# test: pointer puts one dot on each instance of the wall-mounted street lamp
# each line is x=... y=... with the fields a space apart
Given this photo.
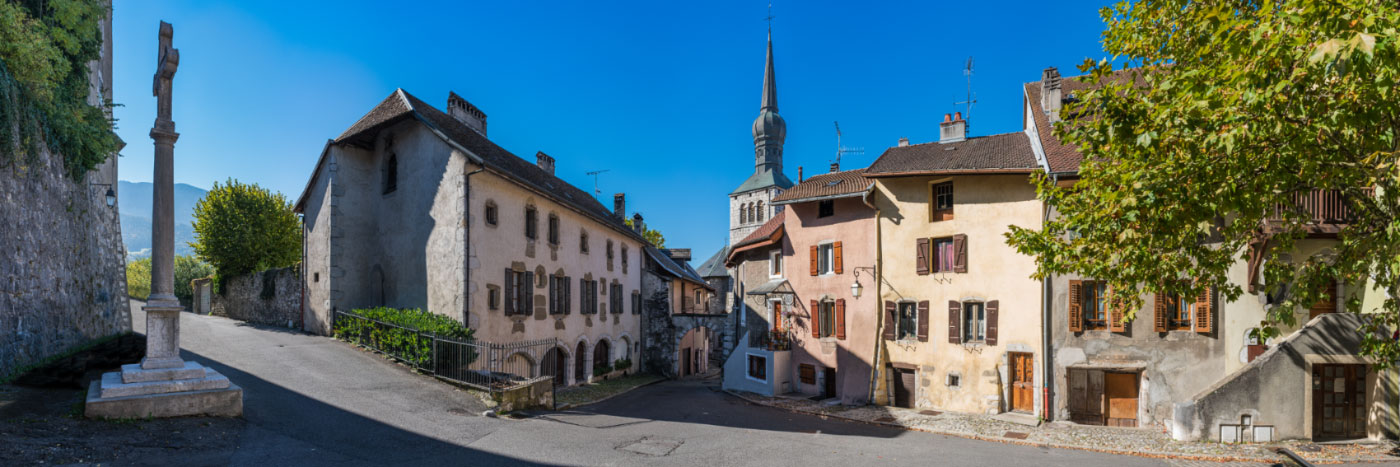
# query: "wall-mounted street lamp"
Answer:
x=855 y=288
x=111 y=194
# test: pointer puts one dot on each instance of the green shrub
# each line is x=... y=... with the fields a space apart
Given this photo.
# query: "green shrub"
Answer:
x=138 y=278
x=243 y=228
x=187 y=268
x=622 y=364
x=412 y=342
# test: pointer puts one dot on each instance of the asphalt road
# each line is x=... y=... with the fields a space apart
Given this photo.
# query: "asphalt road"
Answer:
x=310 y=400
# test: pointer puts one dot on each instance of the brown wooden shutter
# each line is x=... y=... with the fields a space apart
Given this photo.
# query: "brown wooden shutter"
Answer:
x=529 y=298
x=840 y=315
x=509 y=292
x=1205 y=311
x=1161 y=309
x=815 y=313
x=921 y=252
x=923 y=321
x=568 y=293
x=1115 y=316
x=1076 y=306
x=954 y=322
x=582 y=296
x=815 y=254
x=836 y=256
x=891 y=310
x=960 y=253
x=992 y=309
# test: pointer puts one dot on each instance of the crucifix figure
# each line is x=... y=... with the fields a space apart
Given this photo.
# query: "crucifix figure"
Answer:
x=167 y=61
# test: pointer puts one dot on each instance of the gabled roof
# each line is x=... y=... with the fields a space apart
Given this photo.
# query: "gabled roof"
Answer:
x=1063 y=158
x=827 y=186
x=763 y=179
x=714 y=267
x=679 y=270
x=767 y=234
x=1003 y=153
x=401 y=106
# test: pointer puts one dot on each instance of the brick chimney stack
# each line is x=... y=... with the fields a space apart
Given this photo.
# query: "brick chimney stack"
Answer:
x=466 y=113
x=637 y=224
x=903 y=142
x=1050 y=94
x=953 y=129
x=620 y=206
x=835 y=167
x=545 y=161
x=799 y=174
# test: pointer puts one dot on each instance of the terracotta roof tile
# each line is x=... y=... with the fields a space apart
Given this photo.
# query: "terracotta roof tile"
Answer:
x=827 y=184
x=1061 y=157
x=763 y=232
x=1006 y=152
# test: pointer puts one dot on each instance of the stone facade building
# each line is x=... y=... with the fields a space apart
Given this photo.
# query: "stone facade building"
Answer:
x=413 y=207
x=684 y=332
x=760 y=362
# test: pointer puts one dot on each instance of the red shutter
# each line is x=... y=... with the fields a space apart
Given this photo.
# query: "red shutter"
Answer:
x=923 y=321
x=1115 y=316
x=815 y=313
x=508 y=295
x=992 y=308
x=954 y=322
x=1076 y=306
x=1161 y=309
x=815 y=253
x=836 y=253
x=890 y=324
x=960 y=253
x=840 y=314
x=921 y=252
x=1205 y=311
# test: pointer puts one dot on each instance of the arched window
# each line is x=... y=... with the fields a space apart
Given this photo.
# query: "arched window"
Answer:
x=743 y=218
x=750 y=212
x=391 y=174
x=759 y=211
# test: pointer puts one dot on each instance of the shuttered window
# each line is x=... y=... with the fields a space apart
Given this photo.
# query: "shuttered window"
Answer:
x=826 y=258
x=1089 y=300
x=827 y=318
x=1173 y=313
x=532 y=229
x=974 y=322
x=907 y=325
x=840 y=321
x=615 y=299
x=921 y=253
x=941 y=202
x=943 y=254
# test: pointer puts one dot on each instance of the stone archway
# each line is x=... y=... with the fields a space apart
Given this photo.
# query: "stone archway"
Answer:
x=602 y=355
x=555 y=364
x=693 y=352
x=580 y=366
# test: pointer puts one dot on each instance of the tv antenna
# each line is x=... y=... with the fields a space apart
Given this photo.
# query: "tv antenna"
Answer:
x=842 y=149
x=971 y=99
x=597 y=195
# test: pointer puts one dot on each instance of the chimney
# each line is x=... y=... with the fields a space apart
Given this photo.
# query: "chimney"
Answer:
x=1050 y=97
x=620 y=206
x=466 y=113
x=637 y=224
x=678 y=254
x=835 y=167
x=903 y=142
x=545 y=161
x=953 y=129
x=799 y=174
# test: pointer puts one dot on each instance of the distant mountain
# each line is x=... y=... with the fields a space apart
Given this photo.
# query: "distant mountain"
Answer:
x=134 y=201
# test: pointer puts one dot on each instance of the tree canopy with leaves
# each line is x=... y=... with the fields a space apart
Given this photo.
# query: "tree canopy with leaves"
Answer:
x=242 y=228
x=653 y=236
x=1225 y=112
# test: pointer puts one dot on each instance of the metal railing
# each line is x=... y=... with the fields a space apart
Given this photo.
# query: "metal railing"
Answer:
x=489 y=366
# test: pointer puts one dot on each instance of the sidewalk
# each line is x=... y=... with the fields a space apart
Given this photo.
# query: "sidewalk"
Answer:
x=568 y=398
x=1145 y=442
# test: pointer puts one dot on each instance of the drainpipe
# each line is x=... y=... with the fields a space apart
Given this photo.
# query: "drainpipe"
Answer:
x=879 y=307
x=467 y=268
x=1047 y=323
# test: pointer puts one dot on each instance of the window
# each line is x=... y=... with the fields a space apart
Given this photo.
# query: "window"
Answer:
x=583 y=242
x=827 y=315
x=699 y=297
x=491 y=216
x=553 y=229
x=775 y=263
x=624 y=259
x=775 y=313
x=826 y=208
x=518 y=288
x=750 y=210
x=825 y=258
x=1094 y=301
x=558 y=295
x=974 y=323
x=315 y=277
x=588 y=296
x=610 y=252
x=943 y=254
x=615 y=299
x=758 y=367
x=391 y=174
x=636 y=303
x=743 y=216
x=954 y=380
x=941 y=202
x=908 y=326
x=493 y=298
x=1179 y=312
x=807 y=373
x=532 y=228
x=759 y=212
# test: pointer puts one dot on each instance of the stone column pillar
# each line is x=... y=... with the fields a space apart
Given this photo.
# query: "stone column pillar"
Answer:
x=163 y=309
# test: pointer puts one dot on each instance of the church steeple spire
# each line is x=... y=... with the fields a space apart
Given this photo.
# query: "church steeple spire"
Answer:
x=769 y=129
x=770 y=82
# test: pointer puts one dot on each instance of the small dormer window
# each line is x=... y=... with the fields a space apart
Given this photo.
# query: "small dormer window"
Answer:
x=391 y=174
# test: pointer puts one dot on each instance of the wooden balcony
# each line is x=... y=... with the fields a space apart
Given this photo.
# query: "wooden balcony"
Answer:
x=1323 y=212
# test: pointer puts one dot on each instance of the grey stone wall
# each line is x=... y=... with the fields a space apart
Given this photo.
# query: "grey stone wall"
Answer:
x=268 y=297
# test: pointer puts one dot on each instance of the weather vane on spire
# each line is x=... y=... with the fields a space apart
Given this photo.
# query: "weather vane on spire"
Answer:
x=770 y=17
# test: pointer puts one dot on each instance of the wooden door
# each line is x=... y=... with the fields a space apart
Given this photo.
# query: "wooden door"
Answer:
x=830 y=375
x=903 y=388
x=685 y=362
x=1339 y=401
x=1121 y=397
x=1328 y=304
x=1022 y=382
x=555 y=365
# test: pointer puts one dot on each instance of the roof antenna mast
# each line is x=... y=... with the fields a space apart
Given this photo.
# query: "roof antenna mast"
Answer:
x=971 y=99
x=842 y=149
x=597 y=195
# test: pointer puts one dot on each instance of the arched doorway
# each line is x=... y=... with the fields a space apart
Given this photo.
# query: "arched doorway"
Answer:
x=602 y=356
x=555 y=366
x=580 y=367
x=693 y=352
x=521 y=365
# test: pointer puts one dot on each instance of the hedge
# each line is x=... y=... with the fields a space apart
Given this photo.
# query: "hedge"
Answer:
x=411 y=337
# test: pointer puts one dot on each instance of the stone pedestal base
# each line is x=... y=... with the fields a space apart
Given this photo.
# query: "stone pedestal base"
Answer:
x=189 y=389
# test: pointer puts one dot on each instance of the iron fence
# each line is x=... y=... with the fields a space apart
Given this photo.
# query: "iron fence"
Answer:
x=489 y=366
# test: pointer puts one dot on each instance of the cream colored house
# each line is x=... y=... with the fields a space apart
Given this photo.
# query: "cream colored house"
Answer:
x=961 y=314
x=413 y=207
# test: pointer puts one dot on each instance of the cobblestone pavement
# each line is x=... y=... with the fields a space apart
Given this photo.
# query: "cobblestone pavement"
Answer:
x=1148 y=442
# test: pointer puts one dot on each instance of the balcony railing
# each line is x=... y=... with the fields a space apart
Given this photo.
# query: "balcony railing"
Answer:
x=1322 y=210
x=773 y=339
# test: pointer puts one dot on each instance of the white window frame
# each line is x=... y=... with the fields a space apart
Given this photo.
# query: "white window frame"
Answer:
x=967 y=336
x=775 y=263
x=772 y=314
x=826 y=258
x=898 y=311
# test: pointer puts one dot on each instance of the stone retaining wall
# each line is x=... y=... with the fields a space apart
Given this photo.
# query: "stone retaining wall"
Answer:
x=268 y=297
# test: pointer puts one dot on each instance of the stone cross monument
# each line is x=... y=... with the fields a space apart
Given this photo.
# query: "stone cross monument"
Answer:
x=163 y=385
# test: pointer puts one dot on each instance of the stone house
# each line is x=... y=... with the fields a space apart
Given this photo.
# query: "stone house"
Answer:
x=831 y=230
x=683 y=332
x=760 y=362
x=413 y=207
x=1190 y=365
x=949 y=280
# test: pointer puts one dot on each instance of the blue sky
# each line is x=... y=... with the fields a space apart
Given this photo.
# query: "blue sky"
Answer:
x=661 y=94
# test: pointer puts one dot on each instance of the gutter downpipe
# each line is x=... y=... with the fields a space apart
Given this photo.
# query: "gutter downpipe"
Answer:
x=467 y=269
x=1046 y=324
x=880 y=311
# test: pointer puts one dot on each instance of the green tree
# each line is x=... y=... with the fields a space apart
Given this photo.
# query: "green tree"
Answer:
x=652 y=236
x=1226 y=110
x=187 y=268
x=242 y=228
x=138 y=278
